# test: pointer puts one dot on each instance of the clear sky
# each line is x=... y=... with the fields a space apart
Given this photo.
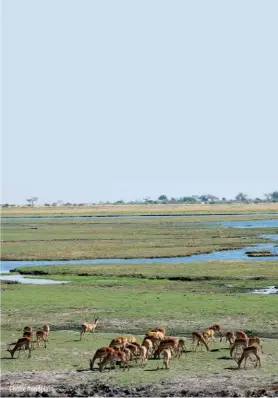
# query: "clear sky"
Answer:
x=120 y=99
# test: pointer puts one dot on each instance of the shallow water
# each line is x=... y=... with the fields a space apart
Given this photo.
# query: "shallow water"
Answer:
x=236 y=254
x=267 y=290
x=25 y=279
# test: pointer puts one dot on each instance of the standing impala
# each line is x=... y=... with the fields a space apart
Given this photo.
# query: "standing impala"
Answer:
x=88 y=327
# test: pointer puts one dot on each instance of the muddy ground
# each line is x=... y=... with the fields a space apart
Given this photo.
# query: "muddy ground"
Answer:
x=77 y=384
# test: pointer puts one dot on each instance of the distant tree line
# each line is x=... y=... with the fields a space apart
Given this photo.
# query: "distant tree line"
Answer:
x=163 y=199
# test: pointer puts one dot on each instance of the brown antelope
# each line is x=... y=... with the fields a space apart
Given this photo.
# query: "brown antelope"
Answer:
x=255 y=341
x=28 y=329
x=134 y=351
x=46 y=329
x=238 y=344
x=230 y=337
x=143 y=354
x=240 y=334
x=30 y=335
x=167 y=355
x=209 y=336
x=181 y=347
x=197 y=336
x=114 y=357
x=161 y=330
x=155 y=342
x=41 y=336
x=170 y=342
x=88 y=327
x=149 y=346
x=247 y=352
x=156 y=334
x=24 y=342
x=119 y=341
x=217 y=328
x=100 y=354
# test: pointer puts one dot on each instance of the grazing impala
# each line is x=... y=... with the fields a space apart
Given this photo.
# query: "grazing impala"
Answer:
x=114 y=357
x=24 y=342
x=88 y=327
x=100 y=354
x=170 y=342
x=197 y=336
x=246 y=353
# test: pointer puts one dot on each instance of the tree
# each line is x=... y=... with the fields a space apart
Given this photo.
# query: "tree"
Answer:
x=241 y=197
x=32 y=200
x=273 y=196
x=163 y=197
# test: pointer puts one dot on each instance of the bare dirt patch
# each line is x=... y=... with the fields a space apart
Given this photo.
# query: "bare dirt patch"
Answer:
x=64 y=384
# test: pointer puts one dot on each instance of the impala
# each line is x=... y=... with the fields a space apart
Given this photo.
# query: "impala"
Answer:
x=167 y=355
x=246 y=353
x=100 y=354
x=209 y=335
x=197 y=336
x=114 y=357
x=170 y=342
x=217 y=328
x=24 y=342
x=88 y=327
x=230 y=337
x=41 y=336
x=240 y=334
x=238 y=344
x=255 y=341
x=46 y=330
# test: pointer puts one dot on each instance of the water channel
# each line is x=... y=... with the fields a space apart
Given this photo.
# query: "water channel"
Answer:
x=236 y=254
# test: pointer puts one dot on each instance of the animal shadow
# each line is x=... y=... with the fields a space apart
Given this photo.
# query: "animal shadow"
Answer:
x=231 y=368
x=86 y=370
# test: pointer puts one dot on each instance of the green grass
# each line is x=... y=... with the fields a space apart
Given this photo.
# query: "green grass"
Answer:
x=75 y=239
x=65 y=352
x=137 y=306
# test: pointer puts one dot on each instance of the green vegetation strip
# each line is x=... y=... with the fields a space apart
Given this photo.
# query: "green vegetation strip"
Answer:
x=190 y=271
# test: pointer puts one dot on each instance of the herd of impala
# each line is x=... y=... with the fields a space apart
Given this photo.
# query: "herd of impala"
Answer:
x=123 y=349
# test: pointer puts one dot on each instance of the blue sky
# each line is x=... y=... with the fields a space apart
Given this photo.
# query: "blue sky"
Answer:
x=109 y=100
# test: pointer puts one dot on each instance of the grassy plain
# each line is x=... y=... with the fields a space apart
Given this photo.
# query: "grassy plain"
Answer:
x=235 y=208
x=129 y=299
